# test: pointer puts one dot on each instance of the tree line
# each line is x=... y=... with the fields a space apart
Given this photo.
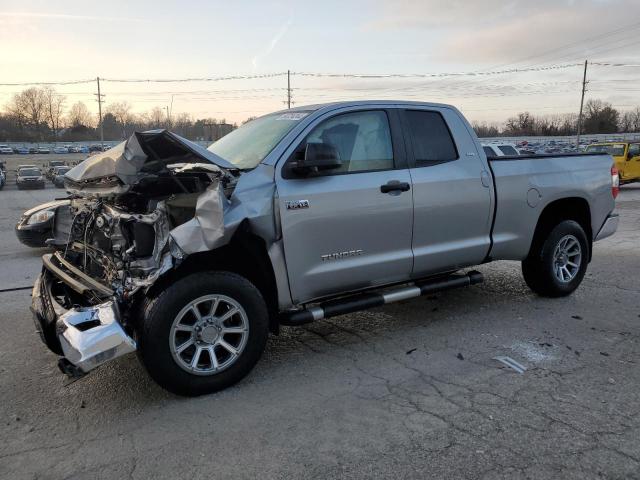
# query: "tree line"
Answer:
x=598 y=117
x=40 y=114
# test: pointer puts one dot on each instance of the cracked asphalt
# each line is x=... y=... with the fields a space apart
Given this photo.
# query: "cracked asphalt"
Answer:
x=409 y=390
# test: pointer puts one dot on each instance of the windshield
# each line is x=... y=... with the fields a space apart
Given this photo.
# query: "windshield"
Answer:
x=62 y=170
x=615 y=149
x=56 y=163
x=248 y=145
x=29 y=172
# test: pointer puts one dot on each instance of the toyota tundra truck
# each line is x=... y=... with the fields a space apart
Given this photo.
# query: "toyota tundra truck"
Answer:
x=192 y=256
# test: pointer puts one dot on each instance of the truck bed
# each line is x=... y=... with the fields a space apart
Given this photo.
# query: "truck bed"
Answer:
x=526 y=184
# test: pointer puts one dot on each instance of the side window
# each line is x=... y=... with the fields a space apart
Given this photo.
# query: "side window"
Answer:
x=432 y=141
x=488 y=151
x=634 y=149
x=363 y=140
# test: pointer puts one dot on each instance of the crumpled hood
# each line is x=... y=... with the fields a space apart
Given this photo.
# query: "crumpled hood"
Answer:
x=143 y=151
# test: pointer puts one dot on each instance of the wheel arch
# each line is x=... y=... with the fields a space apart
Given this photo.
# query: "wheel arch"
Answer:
x=570 y=208
x=246 y=255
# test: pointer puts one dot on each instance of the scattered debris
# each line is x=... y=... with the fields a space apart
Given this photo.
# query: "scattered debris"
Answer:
x=568 y=347
x=577 y=317
x=533 y=351
x=82 y=404
x=604 y=354
x=511 y=363
x=459 y=356
x=612 y=381
x=409 y=352
x=577 y=352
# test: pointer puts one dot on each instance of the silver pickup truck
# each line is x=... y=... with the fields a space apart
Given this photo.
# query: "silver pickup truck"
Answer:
x=191 y=256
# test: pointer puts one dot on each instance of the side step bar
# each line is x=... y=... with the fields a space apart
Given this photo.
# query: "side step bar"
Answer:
x=363 y=301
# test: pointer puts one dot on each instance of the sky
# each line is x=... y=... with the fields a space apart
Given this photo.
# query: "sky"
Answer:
x=45 y=41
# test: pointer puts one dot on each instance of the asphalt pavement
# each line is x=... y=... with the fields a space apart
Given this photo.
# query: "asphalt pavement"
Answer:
x=409 y=390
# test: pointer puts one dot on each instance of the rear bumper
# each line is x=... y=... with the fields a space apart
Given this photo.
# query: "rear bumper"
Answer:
x=87 y=337
x=609 y=227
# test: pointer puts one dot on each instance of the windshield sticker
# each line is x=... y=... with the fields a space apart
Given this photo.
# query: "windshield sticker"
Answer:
x=292 y=116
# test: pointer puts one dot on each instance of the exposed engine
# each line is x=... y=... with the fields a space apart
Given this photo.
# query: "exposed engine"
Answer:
x=122 y=238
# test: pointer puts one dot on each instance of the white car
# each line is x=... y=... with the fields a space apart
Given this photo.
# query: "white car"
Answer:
x=60 y=149
x=499 y=149
x=5 y=149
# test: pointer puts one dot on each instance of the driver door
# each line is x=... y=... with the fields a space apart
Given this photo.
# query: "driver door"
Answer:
x=343 y=229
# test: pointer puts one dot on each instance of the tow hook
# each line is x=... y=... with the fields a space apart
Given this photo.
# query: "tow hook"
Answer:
x=69 y=369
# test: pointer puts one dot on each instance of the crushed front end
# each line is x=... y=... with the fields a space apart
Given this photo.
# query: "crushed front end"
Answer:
x=134 y=214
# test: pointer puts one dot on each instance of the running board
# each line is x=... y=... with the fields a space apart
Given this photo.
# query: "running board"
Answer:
x=363 y=301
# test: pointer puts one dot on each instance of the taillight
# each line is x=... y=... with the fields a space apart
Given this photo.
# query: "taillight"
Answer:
x=615 y=181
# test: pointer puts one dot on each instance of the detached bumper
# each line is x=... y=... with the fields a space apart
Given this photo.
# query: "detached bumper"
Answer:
x=87 y=337
x=609 y=227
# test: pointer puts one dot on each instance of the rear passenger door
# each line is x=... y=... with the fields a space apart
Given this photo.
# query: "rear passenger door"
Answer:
x=452 y=192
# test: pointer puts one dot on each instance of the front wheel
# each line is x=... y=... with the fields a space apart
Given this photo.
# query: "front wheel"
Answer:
x=203 y=333
x=556 y=266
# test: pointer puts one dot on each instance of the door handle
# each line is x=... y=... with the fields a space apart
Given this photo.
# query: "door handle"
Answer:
x=395 y=186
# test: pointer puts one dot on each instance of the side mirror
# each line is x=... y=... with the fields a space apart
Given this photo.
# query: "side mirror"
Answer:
x=318 y=157
x=629 y=155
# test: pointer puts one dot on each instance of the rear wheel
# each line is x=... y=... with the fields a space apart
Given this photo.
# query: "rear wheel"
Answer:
x=203 y=333
x=557 y=264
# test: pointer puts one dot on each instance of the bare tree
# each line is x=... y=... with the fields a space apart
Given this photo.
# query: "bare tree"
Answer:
x=626 y=121
x=156 y=117
x=636 y=119
x=79 y=115
x=600 y=117
x=29 y=108
x=54 y=107
x=122 y=113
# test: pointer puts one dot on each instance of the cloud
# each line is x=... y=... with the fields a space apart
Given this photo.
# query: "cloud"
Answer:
x=64 y=16
x=500 y=31
x=274 y=41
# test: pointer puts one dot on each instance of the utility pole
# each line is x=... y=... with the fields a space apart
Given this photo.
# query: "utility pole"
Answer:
x=584 y=89
x=168 y=116
x=100 y=114
x=289 y=89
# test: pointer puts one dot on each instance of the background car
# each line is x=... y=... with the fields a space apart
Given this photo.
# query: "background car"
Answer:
x=29 y=178
x=3 y=179
x=6 y=150
x=36 y=225
x=58 y=175
x=22 y=150
x=60 y=149
x=499 y=149
x=50 y=166
x=43 y=150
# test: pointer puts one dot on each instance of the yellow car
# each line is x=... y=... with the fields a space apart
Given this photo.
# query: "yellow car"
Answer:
x=625 y=154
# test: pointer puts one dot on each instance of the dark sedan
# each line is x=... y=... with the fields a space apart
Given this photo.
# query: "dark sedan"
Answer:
x=36 y=225
x=58 y=176
x=29 y=178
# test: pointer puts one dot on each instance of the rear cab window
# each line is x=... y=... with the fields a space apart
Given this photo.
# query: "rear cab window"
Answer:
x=430 y=137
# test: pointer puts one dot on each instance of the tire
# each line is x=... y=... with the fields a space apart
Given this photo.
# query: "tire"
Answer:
x=161 y=333
x=541 y=269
